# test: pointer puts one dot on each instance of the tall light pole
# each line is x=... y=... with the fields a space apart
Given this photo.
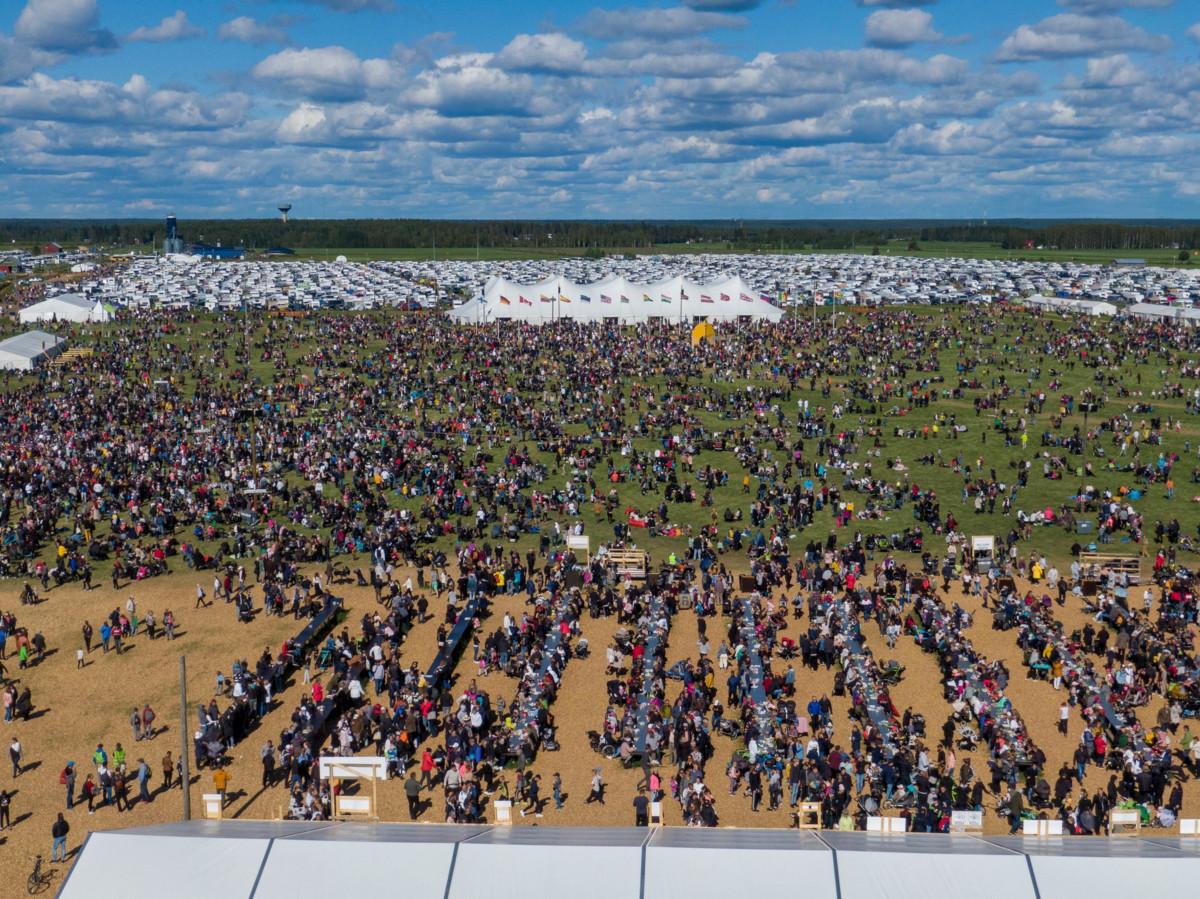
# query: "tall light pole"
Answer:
x=183 y=740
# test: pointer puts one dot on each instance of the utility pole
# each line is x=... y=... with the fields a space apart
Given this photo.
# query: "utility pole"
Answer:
x=183 y=739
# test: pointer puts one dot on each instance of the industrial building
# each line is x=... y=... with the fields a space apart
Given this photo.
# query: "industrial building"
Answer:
x=174 y=243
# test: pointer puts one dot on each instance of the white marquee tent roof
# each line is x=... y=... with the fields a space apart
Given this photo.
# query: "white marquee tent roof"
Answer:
x=614 y=297
x=283 y=859
x=67 y=307
x=1072 y=304
x=1161 y=311
x=24 y=351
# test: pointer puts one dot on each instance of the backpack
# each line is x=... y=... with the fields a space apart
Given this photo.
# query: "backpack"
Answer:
x=62 y=778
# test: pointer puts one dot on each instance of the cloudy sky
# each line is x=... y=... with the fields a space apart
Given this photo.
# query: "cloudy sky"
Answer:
x=641 y=108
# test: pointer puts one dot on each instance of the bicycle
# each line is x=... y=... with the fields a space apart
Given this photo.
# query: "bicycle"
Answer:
x=38 y=880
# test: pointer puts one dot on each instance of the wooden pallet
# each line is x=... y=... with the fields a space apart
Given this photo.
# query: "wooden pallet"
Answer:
x=633 y=563
x=1104 y=563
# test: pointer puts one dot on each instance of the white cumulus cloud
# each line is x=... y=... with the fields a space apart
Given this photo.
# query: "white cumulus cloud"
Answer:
x=68 y=26
x=249 y=30
x=1071 y=34
x=901 y=28
x=175 y=27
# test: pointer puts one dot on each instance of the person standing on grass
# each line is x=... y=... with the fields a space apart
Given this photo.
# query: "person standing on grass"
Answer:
x=120 y=789
x=221 y=782
x=135 y=724
x=143 y=779
x=168 y=770
x=68 y=781
x=148 y=717
x=558 y=794
x=268 y=764
x=412 y=791
x=15 y=753
x=88 y=792
x=532 y=786
x=597 y=792
x=87 y=636
x=5 y=802
x=641 y=809
x=59 y=830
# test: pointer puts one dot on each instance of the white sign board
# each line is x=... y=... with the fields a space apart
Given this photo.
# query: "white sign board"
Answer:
x=212 y=805
x=886 y=825
x=367 y=767
x=1051 y=828
x=354 y=805
x=1189 y=827
x=964 y=822
x=503 y=811
x=583 y=541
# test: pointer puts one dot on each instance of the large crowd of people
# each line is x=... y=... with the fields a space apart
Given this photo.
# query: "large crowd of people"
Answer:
x=363 y=446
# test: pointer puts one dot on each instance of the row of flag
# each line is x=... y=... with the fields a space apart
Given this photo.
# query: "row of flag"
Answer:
x=666 y=298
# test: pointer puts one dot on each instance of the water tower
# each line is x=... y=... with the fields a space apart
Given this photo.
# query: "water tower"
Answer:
x=284 y=209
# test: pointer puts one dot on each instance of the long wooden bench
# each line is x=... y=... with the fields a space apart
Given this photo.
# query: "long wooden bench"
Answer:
x=629 y=562
x=1104 y=563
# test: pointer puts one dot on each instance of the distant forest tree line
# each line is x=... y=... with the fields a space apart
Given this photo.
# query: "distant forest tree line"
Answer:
x=598 y=236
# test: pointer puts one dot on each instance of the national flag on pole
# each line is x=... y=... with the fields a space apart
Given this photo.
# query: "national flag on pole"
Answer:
x=624 y=299
x=605 y=299
x=746 y=298
x=525 y=301
x=563 y=298
x=764 y=298
x=584 y=298
x=504 y=301
x=705 y=298
x=546 y=299
x=666 y=298
x=724 y=298
x=646 y=298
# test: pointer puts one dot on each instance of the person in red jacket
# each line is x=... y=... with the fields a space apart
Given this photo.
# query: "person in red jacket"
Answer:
x=427 y=768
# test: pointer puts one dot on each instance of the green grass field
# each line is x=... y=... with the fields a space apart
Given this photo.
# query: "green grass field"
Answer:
x=980 y=449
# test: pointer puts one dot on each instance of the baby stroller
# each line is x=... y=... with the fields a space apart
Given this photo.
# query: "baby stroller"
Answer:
x=968 y=737
x=891 y=671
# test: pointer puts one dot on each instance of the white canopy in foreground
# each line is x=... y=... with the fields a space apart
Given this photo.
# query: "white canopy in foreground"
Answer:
x=616 y=299
x=284 y=859
x=67 y=307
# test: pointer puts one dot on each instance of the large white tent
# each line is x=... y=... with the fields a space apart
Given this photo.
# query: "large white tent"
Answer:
x=283 y=859
x=24 y=352
x=1159 y=311
x=616 y=299
x=67 y=307
x=1071 y=304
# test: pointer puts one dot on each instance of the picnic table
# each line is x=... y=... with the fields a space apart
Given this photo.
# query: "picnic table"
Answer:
x=656 y=611
x=763 y=716
x=528 y=711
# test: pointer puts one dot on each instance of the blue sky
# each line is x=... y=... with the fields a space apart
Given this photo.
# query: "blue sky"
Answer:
x=668 y=109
